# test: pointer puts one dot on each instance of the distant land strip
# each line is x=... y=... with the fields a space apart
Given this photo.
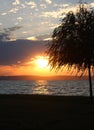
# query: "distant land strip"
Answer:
x=43 y=77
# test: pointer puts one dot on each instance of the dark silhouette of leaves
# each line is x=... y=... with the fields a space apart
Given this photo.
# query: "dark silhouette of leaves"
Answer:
x=73 y=42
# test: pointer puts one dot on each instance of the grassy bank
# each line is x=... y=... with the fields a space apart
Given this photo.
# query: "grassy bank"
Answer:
x=34 y=112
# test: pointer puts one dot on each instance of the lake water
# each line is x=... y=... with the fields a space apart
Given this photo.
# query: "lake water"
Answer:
x=46 y=87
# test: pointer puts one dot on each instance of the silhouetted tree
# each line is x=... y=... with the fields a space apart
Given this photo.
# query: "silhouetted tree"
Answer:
x=73 y=42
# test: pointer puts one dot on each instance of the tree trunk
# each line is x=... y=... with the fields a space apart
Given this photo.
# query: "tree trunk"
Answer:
x=90 y=82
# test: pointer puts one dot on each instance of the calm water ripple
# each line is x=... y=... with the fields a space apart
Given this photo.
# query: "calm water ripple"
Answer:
x=51 y=87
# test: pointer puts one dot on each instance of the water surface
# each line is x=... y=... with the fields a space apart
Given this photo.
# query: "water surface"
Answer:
x=51 y=87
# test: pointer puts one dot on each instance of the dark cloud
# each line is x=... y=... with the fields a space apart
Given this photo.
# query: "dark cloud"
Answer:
x=5 y=34
x=13 y=51
x=43 y=37
x=13 y=28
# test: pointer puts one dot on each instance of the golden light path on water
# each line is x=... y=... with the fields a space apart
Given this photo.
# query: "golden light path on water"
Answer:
x=40 y=87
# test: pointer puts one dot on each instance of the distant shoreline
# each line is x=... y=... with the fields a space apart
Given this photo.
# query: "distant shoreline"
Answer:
x=43 y=77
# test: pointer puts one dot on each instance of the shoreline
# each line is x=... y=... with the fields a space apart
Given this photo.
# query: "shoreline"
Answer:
x=33 y=77
x=46 y=112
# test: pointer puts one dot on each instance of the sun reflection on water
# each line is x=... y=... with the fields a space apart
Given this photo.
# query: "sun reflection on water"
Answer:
x=41 y=87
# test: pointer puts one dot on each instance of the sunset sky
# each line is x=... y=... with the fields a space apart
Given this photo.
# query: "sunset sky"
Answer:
x=25 y=28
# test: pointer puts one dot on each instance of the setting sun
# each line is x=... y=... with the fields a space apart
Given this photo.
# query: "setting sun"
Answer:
x=41 y=61
x=39 y=65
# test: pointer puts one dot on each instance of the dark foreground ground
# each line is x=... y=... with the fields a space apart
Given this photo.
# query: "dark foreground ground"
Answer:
x=24 y=112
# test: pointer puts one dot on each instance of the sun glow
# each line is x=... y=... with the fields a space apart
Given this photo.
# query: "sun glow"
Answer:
x=39 y=65
x=41 y=62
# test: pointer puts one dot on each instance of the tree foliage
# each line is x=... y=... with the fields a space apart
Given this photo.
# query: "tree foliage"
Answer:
x=73 y=41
